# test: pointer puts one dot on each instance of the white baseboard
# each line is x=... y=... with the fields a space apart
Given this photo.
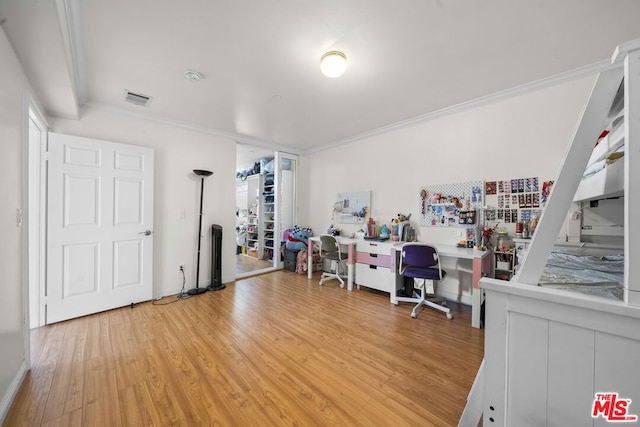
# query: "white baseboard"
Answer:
x=462 y=299
x=7 y=399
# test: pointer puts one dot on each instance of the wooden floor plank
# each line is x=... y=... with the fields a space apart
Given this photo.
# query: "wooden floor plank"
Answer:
x=275 y=349
x=67 y=388
x=101 y=403
x=69 y=419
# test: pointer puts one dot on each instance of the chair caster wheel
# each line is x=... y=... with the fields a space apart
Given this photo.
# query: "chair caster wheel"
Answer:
x=341 y=286
x=414 y=315
x=443 y=303
x=449 y=316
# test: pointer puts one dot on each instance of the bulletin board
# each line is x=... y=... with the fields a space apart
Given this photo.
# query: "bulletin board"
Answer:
x=351 y=208
x=450 y=205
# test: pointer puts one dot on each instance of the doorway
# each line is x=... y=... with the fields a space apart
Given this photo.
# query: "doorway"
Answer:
x=265 y=206
x=60 y=271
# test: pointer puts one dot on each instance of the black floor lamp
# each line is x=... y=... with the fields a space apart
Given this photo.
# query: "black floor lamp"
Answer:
x=198 y=290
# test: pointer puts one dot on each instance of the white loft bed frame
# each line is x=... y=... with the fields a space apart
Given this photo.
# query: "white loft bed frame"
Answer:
x=548 y=351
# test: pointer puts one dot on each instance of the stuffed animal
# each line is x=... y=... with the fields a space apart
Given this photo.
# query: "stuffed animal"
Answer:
x=400 y=218
x=298 y=238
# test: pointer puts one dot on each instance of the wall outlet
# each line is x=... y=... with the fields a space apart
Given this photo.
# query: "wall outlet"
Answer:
x=180 y=268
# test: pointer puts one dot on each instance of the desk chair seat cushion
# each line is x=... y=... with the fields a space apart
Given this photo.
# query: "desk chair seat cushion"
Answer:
x=336 y=256
x=428 y=273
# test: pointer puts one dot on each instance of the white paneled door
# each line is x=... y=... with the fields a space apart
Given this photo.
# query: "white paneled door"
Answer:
x=99 y=226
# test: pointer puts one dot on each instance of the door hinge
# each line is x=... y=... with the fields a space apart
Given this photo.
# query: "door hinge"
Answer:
x=45 y=156
x=45 y=300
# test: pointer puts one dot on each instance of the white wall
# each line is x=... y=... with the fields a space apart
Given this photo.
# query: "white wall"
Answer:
x=522 y=136
x=177 y=191
x=14 y=343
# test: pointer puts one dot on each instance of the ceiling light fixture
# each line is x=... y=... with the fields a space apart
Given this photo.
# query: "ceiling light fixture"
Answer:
x=333 y=64
x=193 y=76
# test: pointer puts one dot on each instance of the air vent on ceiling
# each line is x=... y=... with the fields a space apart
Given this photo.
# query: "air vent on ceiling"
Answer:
x=137 y=99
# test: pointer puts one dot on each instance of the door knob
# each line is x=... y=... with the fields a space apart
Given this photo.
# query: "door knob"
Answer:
x=146 y=232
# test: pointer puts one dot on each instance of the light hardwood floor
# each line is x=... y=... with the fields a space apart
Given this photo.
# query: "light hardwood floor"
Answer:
x=245 y=264
x=275 y=349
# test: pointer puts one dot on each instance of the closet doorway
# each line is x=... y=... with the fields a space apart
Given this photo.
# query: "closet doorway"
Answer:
x=265 y=206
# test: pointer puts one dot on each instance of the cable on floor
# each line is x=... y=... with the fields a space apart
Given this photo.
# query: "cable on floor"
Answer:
x=182 y=295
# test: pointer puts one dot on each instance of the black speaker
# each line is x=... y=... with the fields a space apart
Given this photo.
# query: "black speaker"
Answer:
x=216 y=259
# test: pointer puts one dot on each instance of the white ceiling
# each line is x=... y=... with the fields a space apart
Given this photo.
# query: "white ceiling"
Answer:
x=260 y=58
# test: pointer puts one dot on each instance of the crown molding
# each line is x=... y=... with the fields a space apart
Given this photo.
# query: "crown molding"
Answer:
x=201 y=129
x=69 y=22
x=475 y=103
x=454 y=109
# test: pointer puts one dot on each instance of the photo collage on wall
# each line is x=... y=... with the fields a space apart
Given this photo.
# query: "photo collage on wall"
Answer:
x=516 y=200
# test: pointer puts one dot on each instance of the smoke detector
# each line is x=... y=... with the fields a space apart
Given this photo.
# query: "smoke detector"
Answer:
x=193 y=76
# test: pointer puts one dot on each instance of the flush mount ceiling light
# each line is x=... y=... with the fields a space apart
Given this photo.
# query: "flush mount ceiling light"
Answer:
x=193 y=76
x=333 y=64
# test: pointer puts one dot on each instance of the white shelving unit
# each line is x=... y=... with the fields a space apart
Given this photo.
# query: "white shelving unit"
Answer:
x=267 y=215
x=520 y=252
x=251 y=215
x=505 y=263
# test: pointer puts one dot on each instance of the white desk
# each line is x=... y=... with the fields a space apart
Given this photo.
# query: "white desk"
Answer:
x=481 y=262
x=351 y=261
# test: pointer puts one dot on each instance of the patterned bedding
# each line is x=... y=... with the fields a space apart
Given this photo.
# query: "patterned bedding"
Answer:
x=590 y=274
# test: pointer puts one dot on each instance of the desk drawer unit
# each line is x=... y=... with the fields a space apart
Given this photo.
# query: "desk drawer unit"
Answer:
x=374 y=267
x=375 y=277
x=380 y=248
x=373 y=259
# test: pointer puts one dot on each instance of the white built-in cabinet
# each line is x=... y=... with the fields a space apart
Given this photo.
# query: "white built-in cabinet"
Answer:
x=248 y=207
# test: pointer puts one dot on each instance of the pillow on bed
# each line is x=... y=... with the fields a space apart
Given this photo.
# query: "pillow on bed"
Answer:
x=594 y=168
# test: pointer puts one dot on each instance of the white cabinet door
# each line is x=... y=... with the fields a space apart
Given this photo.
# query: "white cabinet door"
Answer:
x=100 y=226
x=286 y=167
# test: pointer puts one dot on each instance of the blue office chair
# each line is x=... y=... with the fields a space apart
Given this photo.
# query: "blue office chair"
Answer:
x=421 y=261
x=330 y=249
